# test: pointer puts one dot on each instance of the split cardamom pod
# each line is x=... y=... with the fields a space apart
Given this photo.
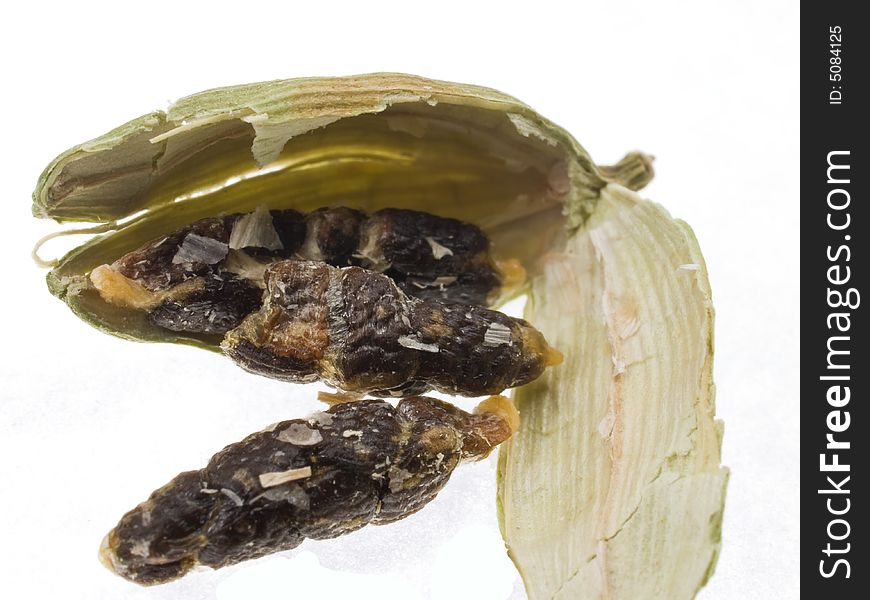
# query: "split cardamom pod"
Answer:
x=613 y=485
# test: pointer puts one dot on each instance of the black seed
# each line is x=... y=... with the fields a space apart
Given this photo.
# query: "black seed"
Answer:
x=219 y=307
x=359 y=332
x=369 y=463
x=335 y=231
x=428 y=257
x=152 y=266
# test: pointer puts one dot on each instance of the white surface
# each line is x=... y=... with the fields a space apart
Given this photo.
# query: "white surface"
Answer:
x=90 y=424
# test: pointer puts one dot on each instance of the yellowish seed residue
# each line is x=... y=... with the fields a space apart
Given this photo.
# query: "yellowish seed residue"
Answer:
x=116 y=289
x=502 y=407
x=120 y=290
x=534 y=342
x=511 y=272
x=333 y=398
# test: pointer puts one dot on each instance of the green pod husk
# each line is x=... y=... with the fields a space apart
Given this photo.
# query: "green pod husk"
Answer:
x=568 y=493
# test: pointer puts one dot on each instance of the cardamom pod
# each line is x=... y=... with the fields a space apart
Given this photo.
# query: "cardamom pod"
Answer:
x=612 y=486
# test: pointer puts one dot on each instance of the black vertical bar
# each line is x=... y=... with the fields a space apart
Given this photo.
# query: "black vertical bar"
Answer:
x=835 y=369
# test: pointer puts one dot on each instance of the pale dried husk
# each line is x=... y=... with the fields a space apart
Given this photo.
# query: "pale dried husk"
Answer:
x=612 y=488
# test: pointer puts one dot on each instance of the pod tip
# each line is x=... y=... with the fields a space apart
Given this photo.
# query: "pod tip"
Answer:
x=502 y=407
x=553 y=357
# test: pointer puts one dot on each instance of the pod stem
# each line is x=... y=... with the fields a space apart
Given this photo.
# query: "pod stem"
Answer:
x=634 y=171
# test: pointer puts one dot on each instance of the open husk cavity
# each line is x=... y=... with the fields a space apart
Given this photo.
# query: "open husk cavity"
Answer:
x=612 y=487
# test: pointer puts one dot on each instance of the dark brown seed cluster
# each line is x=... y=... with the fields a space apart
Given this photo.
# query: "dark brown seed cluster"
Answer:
x=430 y=257
x=356 y=330
x=357 y=463
x=205 y=277
x=386 y=304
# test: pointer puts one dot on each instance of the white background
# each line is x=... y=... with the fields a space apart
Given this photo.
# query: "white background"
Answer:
x=90 y=424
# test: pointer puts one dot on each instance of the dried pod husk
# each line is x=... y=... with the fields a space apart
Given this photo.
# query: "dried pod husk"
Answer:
x=613 y=485
x=368 y=142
